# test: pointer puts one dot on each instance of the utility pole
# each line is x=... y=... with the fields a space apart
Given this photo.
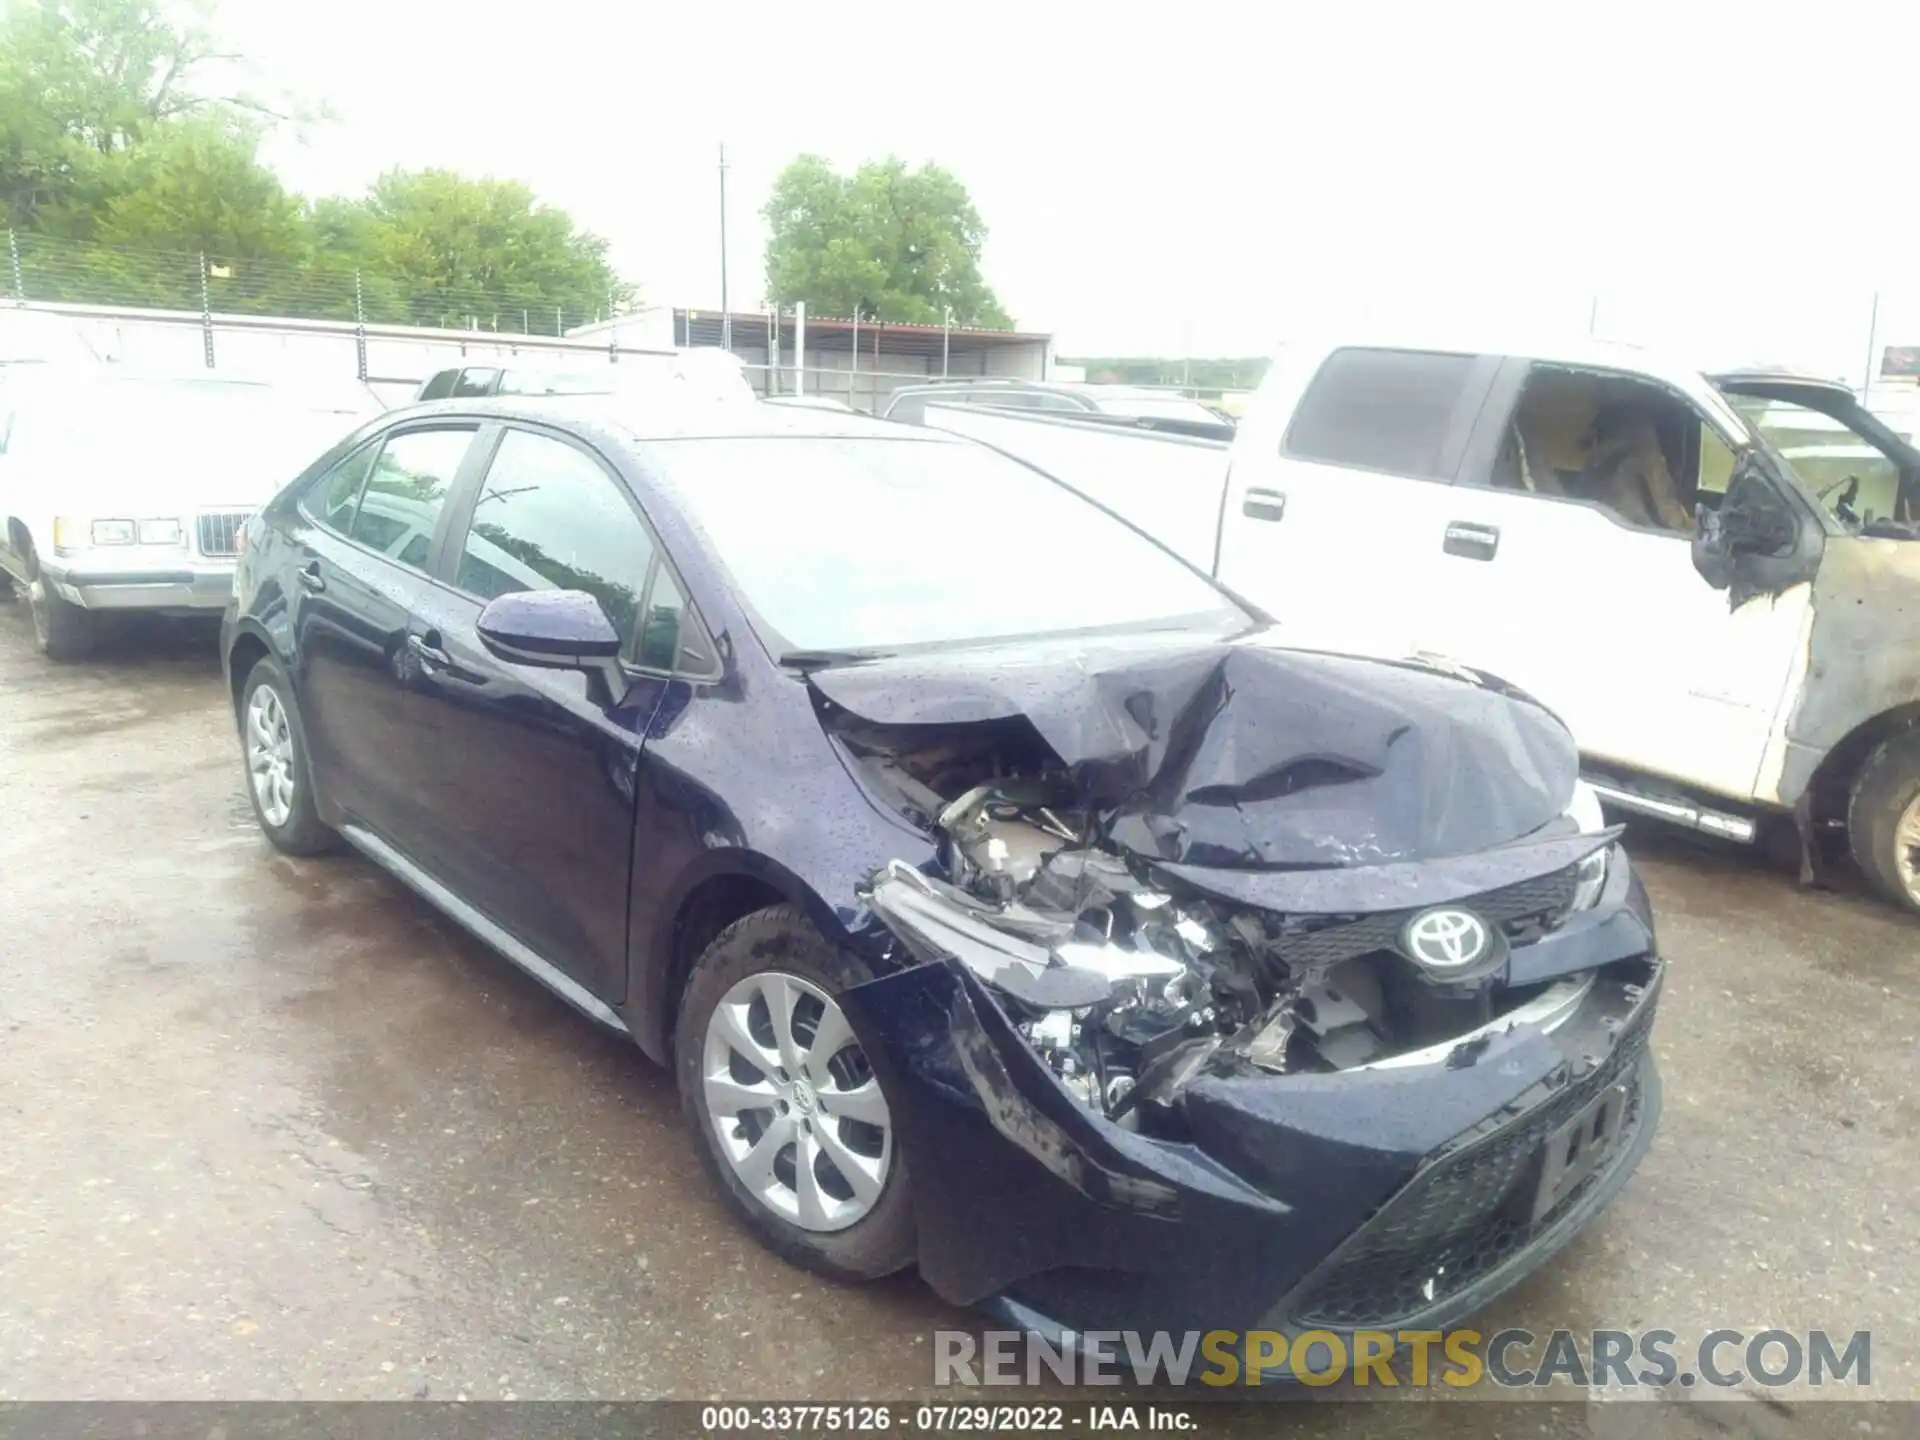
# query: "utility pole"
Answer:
x=946 y=333
x=726 y=315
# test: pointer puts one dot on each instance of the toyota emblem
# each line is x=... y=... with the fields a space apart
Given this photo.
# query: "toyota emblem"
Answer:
x=1447 y=939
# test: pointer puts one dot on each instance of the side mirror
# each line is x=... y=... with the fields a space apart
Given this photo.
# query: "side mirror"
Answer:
x=1753 y=519
x=555 y=629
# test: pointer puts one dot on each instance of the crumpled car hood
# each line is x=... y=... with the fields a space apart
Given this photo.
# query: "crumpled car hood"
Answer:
x=1238 y=755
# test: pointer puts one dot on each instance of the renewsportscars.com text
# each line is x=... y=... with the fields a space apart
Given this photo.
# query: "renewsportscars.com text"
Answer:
x=1513 y=1359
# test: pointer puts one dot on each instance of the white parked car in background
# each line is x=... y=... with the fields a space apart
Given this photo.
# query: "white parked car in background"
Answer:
x=34 y=337
x=126 y=490
x=701 y=371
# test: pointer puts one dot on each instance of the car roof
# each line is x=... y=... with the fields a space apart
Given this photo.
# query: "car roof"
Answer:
x=664 y=415
x=1758 y=376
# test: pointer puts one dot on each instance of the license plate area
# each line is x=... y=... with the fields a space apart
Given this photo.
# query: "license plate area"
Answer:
x=1581 y=1146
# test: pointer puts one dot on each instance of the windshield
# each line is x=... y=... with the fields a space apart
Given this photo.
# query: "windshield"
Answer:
x=878 y=543
x=1156 y=407
x=1854 y=478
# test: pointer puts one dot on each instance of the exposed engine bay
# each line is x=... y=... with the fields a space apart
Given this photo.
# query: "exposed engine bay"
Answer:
x=1128 y=977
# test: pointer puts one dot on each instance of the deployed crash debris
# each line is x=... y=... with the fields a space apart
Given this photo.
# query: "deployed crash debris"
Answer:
x=1226 y=859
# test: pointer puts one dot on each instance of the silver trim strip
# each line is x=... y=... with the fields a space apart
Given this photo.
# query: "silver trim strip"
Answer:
x=1680 y=812
x=1548 y=1010
x=470 y=919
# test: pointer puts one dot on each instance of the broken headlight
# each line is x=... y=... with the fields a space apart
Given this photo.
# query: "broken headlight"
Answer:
x=1590 y=877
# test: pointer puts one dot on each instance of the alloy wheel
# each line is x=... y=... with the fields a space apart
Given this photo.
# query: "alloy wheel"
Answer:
x=1906 y=849
x=793 y=1103
x=270 y=755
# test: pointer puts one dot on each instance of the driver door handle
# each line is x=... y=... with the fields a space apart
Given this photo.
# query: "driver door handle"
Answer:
x=1260 y=503
x=428 y=653
x=1471 y=541
x=311 y=577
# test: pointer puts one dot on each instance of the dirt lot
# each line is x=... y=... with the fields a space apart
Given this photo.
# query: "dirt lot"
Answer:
x=272 y=1129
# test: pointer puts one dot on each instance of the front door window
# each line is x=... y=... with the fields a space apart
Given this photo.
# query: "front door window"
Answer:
x=1857 y=480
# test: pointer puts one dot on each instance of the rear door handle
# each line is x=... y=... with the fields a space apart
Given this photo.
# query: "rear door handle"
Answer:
x=312 y=578
x=1470 y=541
x=1260 y=503
x=428 y=653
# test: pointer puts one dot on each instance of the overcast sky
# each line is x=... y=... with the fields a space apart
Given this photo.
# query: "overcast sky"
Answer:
x=1193 y=177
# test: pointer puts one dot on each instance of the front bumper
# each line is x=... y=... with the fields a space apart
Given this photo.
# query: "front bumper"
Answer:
x=1385 y=1199
x=184 y=583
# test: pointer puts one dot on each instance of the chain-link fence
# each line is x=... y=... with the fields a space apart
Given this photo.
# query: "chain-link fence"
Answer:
x=326 y=318
x=47 y=269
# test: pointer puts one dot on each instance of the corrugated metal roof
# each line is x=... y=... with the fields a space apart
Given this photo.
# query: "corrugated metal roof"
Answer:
x=702 y=327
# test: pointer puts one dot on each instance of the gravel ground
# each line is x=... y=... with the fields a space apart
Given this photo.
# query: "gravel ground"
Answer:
x=272 y=1129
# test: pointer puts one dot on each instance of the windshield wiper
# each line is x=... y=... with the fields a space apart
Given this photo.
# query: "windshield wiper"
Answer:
x=820 y=659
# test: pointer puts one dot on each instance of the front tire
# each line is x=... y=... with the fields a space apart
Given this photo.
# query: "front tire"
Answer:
x=1883 y=820
x=279 y=776
x=61 y=629
x=789 y=1119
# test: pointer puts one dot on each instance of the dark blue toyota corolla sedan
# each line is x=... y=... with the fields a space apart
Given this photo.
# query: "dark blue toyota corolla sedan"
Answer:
x=1006 y=898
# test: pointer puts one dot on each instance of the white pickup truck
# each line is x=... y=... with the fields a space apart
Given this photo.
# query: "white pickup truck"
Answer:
x=1714 y=582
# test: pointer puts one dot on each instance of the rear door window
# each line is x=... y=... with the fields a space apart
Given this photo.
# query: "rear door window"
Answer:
x=407 y=489
x=1405 y=412
x=440 y=386
x=333 y=498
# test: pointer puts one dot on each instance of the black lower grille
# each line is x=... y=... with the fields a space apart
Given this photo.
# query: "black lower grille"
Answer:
x=219 y=534
x=1465 y=1215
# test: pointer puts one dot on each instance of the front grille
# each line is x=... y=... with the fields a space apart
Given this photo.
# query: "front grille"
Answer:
x=1523 y=911
x=219 y=532
x=1466 y=1215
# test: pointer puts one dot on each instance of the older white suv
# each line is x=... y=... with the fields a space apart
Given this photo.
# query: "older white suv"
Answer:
x=127 y=490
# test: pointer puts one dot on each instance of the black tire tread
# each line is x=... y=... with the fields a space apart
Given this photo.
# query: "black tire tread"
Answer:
x=62 y=630
x=1887 y=783
x=304 y=833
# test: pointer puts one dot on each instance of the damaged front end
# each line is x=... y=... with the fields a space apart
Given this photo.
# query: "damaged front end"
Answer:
x=1196 y=996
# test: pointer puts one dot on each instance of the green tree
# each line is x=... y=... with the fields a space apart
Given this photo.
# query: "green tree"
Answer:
x=127 y=153
x=458 y=248
x=888 y=242
x=84 y=79
x=194 y=186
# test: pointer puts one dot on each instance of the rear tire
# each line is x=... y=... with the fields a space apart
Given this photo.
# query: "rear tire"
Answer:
x=1883 y=820
x=279 y=777
x=830 y=1226
x=62 y=630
